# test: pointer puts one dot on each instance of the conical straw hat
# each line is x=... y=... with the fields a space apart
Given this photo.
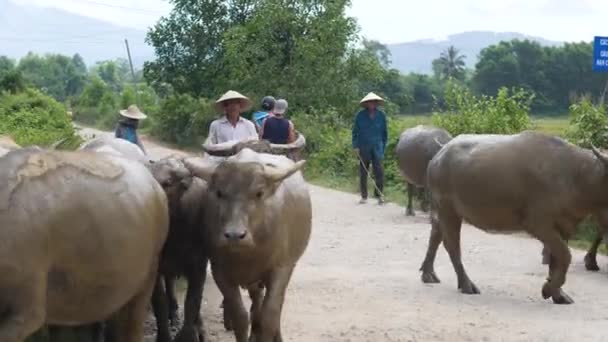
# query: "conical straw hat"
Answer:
x=133 y=113
x=372 y=97
x=232 y=95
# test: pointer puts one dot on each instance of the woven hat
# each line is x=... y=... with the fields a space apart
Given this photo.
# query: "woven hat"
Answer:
x=233 y=95
x=133 y=113
x=371 y=97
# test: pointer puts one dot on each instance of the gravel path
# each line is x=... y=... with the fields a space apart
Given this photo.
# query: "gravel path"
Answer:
x=359 y=281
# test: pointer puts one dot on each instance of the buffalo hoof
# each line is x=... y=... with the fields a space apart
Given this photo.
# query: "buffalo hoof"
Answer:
x=227 y=322
x=469 y=288
x=591 y=263
x=430 y=278
x=558 y=296
x=190 y=334
x=410 y=212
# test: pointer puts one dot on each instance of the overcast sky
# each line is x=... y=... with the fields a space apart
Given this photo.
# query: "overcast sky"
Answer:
x=404 y=20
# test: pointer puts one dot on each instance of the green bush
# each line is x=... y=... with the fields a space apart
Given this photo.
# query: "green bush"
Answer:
x=33 y=118
x=183 y=120
x=588 y=125
x=466 y=113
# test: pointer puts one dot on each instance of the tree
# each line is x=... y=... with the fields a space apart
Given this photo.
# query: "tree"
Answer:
x=450 y=64
x=189 y=43
x=556 y=75
x=6 y=65
x=57 y=75
x=111 y=74
x=380 y=50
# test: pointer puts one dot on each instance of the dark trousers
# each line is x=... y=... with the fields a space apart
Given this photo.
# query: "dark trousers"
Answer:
x=366 y=160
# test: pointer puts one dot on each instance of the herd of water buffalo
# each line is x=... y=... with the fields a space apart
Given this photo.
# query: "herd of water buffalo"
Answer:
x=94 y=236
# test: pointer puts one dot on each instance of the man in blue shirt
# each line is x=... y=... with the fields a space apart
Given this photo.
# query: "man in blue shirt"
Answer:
x=369 y=139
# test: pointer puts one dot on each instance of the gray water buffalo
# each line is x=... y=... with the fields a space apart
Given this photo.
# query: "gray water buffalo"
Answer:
x=259 y=224
x=528 y=182
x=184 y=253
x=82 y=234
x=115 y=146
x=415 y=149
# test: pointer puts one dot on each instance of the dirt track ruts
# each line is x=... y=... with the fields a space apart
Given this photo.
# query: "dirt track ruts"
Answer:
x=359 y=281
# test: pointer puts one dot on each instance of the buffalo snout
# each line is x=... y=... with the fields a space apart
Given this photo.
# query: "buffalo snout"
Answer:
x=235 y=235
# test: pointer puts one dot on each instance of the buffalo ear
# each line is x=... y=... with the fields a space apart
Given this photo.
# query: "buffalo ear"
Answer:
x=200 y=170
x=276 y=175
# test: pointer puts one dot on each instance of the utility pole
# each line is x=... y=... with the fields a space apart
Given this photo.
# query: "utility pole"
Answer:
x=132 y=73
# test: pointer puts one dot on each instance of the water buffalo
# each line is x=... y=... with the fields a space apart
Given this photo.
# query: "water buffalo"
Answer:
x=415 y=149
x=184 y=253
x=115 y=146
x=82 y=234
x=528 y=182
x=259 y=224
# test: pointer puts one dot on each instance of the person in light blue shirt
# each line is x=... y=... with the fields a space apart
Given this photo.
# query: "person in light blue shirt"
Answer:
x=127 y=127
x=369 y=139
x=268 y=103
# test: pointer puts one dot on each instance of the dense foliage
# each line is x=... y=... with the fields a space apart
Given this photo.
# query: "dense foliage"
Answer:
x=33 y=118
x=588 y=125
x=466 y=113
x=556 y=75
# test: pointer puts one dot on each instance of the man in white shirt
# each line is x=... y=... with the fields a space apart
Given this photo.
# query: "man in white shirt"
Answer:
x=232 y=127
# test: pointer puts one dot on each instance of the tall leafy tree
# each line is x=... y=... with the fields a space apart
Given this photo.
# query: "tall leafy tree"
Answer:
x=189 y=43
x=450 y=64
x=57 y=75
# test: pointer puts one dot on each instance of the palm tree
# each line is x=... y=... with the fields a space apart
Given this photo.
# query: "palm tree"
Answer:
x=450 y=64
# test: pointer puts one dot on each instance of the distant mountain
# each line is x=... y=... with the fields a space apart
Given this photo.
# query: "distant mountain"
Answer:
x=417 y=56
x=25 y=28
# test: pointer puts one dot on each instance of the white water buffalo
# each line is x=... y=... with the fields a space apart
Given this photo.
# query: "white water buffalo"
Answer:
x=81 y=238
x=506 y=183
x=115 y=146
x=259 y=225
x=415 y=149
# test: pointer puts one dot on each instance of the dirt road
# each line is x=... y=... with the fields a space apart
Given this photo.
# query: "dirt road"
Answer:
x=359 y=281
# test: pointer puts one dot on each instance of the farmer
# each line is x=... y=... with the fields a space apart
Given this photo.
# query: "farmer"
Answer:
x=268 y=103
x=277 y=128
x=231 y=126
x=127 y=126
x=369 y=138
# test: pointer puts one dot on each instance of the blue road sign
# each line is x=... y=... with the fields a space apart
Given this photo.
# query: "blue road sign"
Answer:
x=600 y=54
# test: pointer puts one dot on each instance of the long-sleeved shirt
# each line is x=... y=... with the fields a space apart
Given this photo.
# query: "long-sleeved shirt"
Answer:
x=221 y=131
x=127 y=130
x=370 y=135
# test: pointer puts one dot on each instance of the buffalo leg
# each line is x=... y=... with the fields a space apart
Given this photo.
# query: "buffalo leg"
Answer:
x=270 y=328
x=591 y=256
x=256 y=293
x=424 y=204
x=451 y=226
x=22 y=307
x=410 y=194
x=160 y=307
x=233 y=305
x=427 y=268
x=193 y=329
x=558 y=267
x=172 y=299
x=131 y=328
